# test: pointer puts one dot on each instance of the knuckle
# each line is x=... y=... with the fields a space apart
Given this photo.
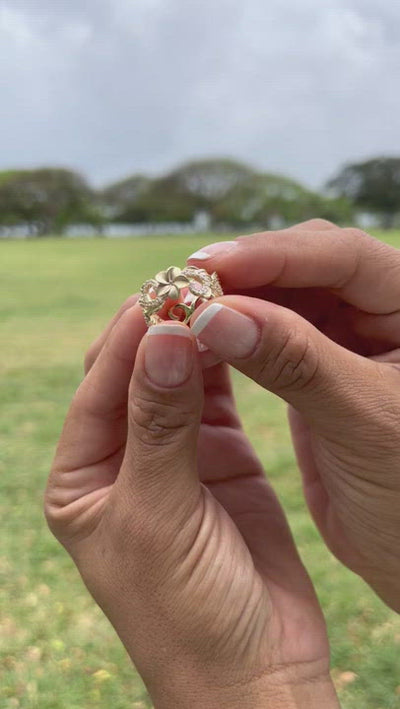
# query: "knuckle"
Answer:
x=291 y=365
x=364 y=242
x=57 y=515
x=368 y=246
x=356 y=233
x=158 y=422
x=48 y=509
x=319 y=223
x=70 y=517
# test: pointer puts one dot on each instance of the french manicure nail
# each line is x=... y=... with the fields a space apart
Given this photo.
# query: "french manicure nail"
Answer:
x=169 y=354
x=226 y=332
x=213 y=249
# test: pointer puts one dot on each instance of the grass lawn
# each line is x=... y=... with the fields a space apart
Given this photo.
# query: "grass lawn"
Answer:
x=57 y=651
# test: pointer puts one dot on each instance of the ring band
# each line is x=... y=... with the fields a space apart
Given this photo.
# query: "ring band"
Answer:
x=187 y=287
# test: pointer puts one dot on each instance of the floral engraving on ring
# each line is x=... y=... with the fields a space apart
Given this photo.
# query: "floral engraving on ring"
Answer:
x=188 y=286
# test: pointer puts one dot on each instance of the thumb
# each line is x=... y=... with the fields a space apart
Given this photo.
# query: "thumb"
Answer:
x=288 y=356
x=164 y=413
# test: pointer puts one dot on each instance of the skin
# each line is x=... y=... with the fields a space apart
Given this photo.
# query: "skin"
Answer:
x=326 y=301
x=159 y=498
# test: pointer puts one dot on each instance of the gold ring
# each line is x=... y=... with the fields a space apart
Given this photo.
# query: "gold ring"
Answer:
x=175 y=293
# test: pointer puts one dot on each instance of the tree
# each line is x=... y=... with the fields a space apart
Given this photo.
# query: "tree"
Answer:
x=373 y=185
x=263 y=199
x=121 y=200
x=210 y=180
x=177 y=196
x=201 y=185
x=6 y=175
x=165 y=200
x=192 y=187
x=46 y=200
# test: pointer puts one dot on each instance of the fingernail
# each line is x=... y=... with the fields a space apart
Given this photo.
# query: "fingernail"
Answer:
x=168 y=358
x=226 y=332
x=213 y=249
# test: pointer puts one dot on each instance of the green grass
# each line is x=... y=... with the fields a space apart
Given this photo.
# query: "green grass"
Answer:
x=56 y=649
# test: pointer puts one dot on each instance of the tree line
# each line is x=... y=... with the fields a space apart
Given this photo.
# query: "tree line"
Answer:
x=231 y=194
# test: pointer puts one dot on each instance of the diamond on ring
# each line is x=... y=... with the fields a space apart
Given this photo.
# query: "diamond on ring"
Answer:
x=175 y=293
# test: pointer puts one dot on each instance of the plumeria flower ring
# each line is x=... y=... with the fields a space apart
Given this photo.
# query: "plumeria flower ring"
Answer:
x=175 y=293
x=171 y=282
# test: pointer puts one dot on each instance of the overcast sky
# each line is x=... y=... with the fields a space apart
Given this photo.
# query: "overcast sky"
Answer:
x=113 y=87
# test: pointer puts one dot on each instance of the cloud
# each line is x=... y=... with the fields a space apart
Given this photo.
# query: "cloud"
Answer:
x=112 y=87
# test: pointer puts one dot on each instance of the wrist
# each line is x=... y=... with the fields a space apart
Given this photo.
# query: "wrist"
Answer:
x=281 y=689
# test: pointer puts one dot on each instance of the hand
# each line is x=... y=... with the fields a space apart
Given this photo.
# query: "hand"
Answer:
x=322 y=331
x=201 y=581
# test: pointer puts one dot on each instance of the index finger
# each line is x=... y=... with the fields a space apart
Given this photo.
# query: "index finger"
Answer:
x=362 y=270
x=95 y=426
x=98 y=344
